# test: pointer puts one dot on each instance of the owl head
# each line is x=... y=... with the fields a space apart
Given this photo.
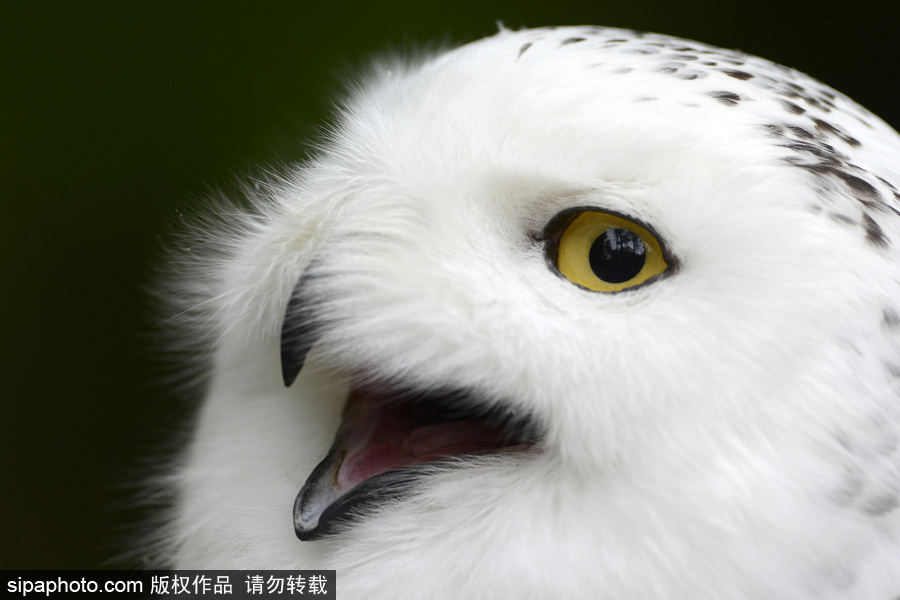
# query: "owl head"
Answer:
x=566 y=312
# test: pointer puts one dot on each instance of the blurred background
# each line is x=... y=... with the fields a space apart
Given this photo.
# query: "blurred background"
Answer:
x=115 y=114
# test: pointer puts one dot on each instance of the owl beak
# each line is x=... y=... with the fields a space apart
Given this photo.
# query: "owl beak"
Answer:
x=323 y=503
x=298 y=332
x=318 y=494
x=388 y=439
x=339 y=486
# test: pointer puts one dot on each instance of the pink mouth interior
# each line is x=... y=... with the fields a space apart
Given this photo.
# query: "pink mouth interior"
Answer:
x=379 y=435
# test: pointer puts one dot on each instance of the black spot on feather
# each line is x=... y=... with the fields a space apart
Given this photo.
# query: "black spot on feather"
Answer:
x=828 y=128
x=726 y=98
x=792 y=108
x=522 y=50
x=737 y=74
x=863 y=191
x=874 y=233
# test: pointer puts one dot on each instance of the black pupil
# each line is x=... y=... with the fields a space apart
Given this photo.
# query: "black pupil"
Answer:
x=617 y=255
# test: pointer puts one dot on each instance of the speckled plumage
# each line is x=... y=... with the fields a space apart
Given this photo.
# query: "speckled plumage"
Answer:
x=729 y=431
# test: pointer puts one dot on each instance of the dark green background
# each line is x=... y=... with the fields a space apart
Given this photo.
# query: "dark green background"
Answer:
x=113 y=114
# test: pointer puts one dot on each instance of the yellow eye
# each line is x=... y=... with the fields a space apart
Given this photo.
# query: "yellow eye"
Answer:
x=605 y=252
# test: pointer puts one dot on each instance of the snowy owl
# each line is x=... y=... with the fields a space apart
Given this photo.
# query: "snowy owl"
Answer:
x=569 y=312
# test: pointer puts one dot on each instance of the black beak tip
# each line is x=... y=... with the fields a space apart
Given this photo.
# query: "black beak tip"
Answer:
x=298 y=333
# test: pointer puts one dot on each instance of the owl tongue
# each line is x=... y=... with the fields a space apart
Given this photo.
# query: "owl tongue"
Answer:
x=380 y=436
